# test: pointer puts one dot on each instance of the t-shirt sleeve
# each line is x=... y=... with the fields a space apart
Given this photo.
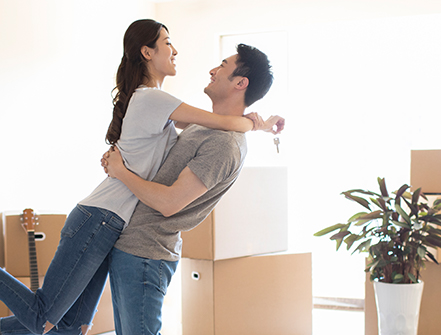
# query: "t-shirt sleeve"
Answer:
x=216 y=160
x=158 y=106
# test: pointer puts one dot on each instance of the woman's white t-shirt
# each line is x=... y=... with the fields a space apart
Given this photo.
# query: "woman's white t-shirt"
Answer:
x=147 y=136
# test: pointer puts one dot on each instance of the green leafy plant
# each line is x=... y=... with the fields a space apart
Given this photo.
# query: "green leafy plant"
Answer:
x=396 y=230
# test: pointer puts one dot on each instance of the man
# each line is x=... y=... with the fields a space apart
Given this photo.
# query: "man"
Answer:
x=199 y=169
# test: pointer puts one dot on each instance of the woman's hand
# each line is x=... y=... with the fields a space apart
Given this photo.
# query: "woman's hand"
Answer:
x=112 y=162
x=274 y=121
x=269 y=124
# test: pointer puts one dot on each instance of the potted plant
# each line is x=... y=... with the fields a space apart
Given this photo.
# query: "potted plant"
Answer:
x=398 y=231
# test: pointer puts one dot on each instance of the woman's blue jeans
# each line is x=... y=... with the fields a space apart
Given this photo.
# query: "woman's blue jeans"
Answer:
x=86 y=239
x=138 y=289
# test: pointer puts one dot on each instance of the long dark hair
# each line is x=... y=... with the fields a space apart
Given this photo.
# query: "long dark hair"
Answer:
x=132 y=71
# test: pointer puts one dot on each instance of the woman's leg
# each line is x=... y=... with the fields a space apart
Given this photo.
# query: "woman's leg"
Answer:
x=138 y=289
x=79 y=317
x=86 y=238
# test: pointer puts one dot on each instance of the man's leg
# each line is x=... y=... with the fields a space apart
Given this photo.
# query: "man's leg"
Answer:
x=138 y=289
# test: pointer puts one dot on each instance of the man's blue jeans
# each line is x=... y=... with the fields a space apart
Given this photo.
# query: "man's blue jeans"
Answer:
x=86 y=239
x=138 y=289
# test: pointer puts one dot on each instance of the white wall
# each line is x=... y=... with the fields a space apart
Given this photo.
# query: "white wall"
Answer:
x=325 y=47
x=195 y=26
x=363 y=87
x=58 y=60
x=57 y=65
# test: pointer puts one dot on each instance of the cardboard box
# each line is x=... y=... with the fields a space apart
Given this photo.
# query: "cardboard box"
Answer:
x=15 y=254
x=435 y=251
x=250 y=219
x=103 y=320
x=424 y=170
x=429 y=321
x=258 y=295
x=2 y=243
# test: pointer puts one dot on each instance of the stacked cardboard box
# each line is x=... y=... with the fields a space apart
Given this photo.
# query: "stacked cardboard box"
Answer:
x=14 y=257
x=424 y=170
x=234 y=278
x=424 y=174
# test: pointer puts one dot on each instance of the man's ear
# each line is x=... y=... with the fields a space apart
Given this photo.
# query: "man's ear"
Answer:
x=145 y=51
x=242 y=83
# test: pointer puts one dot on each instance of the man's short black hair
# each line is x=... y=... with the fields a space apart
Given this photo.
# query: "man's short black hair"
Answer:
x=254 y=65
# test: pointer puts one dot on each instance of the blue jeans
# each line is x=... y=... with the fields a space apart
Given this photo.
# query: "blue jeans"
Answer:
x=73 y=282
x=138 y=289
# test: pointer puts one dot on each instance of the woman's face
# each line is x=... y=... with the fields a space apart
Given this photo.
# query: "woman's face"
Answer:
x=162 y=58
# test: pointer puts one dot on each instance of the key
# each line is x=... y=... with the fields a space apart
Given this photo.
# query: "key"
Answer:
x=277 y=142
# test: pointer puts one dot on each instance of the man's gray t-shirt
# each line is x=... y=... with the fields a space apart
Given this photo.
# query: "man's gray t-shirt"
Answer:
x=216 y=157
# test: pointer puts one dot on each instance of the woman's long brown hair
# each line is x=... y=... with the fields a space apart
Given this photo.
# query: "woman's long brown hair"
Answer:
x=132 y=72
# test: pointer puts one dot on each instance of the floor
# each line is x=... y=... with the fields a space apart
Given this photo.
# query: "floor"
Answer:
x=328 y=321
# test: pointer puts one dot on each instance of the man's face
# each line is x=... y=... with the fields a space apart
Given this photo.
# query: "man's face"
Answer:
x=221 y=83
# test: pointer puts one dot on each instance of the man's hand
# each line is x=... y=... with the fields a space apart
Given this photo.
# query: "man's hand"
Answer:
x=112 y=162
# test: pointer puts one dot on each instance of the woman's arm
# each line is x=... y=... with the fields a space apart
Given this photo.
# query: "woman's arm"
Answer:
x=186 y=114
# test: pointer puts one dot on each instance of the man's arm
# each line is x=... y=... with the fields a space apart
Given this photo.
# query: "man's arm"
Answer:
x=168 y=200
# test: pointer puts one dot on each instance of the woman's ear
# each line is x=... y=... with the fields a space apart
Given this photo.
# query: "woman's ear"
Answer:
x=242 y=83
x=146 y=52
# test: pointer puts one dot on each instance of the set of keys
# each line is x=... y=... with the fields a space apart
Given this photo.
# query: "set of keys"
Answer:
x=277 y=142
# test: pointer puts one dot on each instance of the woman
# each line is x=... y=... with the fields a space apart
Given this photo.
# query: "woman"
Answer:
x=143 y=130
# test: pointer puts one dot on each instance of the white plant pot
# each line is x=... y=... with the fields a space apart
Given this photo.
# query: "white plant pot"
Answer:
x=398 y=307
